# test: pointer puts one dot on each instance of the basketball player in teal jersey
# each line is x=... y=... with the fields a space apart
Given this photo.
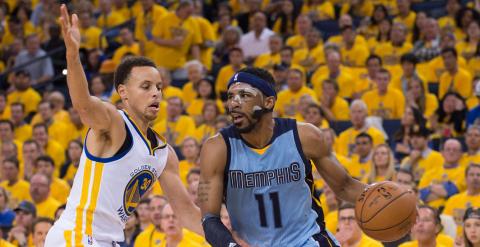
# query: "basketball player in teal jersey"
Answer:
x=261 y=167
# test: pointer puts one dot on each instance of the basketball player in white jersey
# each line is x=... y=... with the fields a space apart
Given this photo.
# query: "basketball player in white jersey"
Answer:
x=122 y=156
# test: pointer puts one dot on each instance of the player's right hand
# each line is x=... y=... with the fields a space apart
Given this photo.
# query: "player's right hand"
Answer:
x=70 y=31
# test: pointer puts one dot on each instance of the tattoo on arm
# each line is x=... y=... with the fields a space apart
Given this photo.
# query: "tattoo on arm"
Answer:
x=203 y=188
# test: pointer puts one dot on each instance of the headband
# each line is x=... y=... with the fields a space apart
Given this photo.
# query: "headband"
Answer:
x=255 y=81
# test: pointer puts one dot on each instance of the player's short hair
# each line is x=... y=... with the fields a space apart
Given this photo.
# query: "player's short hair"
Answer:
x=125 y=68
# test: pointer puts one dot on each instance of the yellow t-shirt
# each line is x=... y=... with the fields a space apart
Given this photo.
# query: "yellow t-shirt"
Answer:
x=18 y=192
x=188 y=93
x=56 y=151
x=91 y=38
x=170 y=92
x=144 y=23
x=346 y=141
x=184 y=167
x=226 y=72
x=429 y=161
x=124 y=49
x=408 y=21
x=365 y=10
x=466 y=49
x=267 y=60
x=297 y=42
x=59 y=190
x=195 y=108
x=344 y=80
x=391 y=54
x=168 y=27
x=4 y=243
x=442 y=241
x=358 y=169
x=331 y=221
x=287 y=101
x=208 y=34
x=153 y=237
x=29 y=98
x=340 y=109
x=457 y=204
x=439 y=175
x=309 y=58
x=473 y=67
x=70 y=174
x=390 y=105
x=23 y=132
x=434 y=69
x=203 y=132
x=56 y=131
x=111 y=20
x=354 y=57
x=47 y=208
x=176 y=131
x=366 y=241
x=460 y=82
x=323 y=11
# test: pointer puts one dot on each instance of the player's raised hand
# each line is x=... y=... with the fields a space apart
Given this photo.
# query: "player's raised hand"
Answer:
x=70 y=31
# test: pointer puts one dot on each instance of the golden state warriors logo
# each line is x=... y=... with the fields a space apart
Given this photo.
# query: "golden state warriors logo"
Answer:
x=136 y=188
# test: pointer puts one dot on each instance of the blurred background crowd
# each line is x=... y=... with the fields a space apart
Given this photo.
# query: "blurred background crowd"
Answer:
x=393 y=83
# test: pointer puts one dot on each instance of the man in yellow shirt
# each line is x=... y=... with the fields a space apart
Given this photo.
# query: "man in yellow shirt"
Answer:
x=16 y=187
x=177 y=36
x=409 y=72
x=384 y=102
x=147 y=17
x=353 y=54
x=427 y=228
x=303 y=25
x=360 y=164
x=59 y=189
x=391 y=52
x=454 y=78
x=288 y=99
x=472 y=141
x=346 y=141
x=24 y=93
x=22 y=130
x=405 y=15
x=49 y=146
x=195 y=72
x=267 y=60
x=39 y=231
x=457 y=204
x=31 y=151
x=334 y=107
x=108 y=18
x=40 y=194
x=129 y=46
x=91 y=36
x=236 y=59
x=365 y=79
x=56 y=128
x=349 y=233
x=312 y=56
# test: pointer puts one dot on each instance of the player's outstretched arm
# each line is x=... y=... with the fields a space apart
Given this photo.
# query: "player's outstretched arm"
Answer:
x=93 y=112
x=316 y=148
x=177 y=195
x=213 y=158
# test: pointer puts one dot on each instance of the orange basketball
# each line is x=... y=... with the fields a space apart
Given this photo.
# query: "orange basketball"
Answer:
x=385 y=211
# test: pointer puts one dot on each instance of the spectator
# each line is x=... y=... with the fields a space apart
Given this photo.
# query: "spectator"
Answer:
x=21 y=233
x=361 y=166
x=154 y=233
x=56 y=128
x=382 y=164
x=454 y=79
x=287 y=100
x=6 y=213
x=366 y=81
x=129 y=45
x=49 y=146
x=144 y=216
x=405 y=15
x=473 y=116
x=39 y=230
x=23 y=92
x=206 y=129
x=418 y=97
x=267 y=60
x=284 y=24
x=195 y=72
x=91 y=35
x=408 y=62
x=472 y=140
x=449 y=119
x=411 y=117
x=148 y=16
x=132 y=229
x=175 y=126
x=168 y=91
x=255 y=42
x=303 y=25
x=358 y=9
x=315 y=115
x=31 y=151
x=348 y=232
x=190 y=151
x=428 y=47
x=397 y=46
x=468 y=47
x=108 y=18
x=74 y=152
x=384 y=102
x=245 y=19
x=236 y=63
x=22 y=130
x=205 y=91
x=353 y=54
x=41 y=71
x=41 y=197
x=177 y=36
x=230 y=39
x=405 y=179
x=346 y=140
x=471 y=222
x=16 y=187
x=312 y=56
x=59 y=189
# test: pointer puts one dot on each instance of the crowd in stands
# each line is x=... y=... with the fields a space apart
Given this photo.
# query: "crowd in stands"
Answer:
x=393 y=84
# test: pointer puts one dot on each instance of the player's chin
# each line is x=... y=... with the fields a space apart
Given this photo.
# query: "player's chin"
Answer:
x=151 y=113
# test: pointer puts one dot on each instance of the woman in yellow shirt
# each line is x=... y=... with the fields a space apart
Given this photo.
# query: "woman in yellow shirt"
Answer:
x=468 y=47
x=418 y=97
x=370 y=30
x=285 y=22
x=412 y=116
x=471 y=231
x=383 y=35
x=205 y=91
x=383 y=164
x=210 y=111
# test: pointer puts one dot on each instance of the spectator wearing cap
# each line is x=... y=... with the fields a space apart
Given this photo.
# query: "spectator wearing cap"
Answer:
x=23 y=92
x=267 y=60
x=288 y=99
x=236 y=63
x=471 y=232
x=454 y=78
x=353 y=55
x=6 y=213
x=473 y=116
x=384 y=102
x=177 y=37
x=41 y=197
x=59 y=189
x=421 y=158
x=345 y=144
x=20 y=234
x=40 y=71
x=255 y=42
x=334 y=70
x=13 y=184
x=312 y=56
x=440 y=183
x=457 y=204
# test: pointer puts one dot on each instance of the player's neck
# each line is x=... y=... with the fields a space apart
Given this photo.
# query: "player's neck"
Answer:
x=261 y=135
x=140 y=121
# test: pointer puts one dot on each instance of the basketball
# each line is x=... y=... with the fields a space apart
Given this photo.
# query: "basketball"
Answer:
x=385 y=211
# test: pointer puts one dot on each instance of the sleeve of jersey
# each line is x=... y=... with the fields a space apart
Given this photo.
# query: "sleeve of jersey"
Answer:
x=216 y=233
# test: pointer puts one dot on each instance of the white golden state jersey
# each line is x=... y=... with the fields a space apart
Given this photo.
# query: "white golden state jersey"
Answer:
x=106 y=191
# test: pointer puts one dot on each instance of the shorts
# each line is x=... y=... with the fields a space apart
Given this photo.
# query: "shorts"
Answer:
x=60 y=237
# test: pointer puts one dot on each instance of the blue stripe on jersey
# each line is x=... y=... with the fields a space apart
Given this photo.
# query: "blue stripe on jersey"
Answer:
x=268 y=196
x=114 y=157
x=139 y=133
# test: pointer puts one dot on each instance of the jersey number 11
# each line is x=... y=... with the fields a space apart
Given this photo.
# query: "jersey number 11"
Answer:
x=276 y=209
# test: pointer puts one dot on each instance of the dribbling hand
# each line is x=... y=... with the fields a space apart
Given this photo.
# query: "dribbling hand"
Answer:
x=70 y=31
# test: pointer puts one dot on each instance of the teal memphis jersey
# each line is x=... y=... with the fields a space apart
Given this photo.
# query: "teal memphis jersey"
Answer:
x=268 y=192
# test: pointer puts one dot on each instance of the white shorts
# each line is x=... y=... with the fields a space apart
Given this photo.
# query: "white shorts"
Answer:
x=60 y=237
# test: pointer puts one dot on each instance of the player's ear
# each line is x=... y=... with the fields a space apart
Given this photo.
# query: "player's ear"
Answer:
x=122 y=92
x=269 y=103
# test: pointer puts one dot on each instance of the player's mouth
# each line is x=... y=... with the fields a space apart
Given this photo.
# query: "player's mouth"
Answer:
x=237 y=118
x=154 y=106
